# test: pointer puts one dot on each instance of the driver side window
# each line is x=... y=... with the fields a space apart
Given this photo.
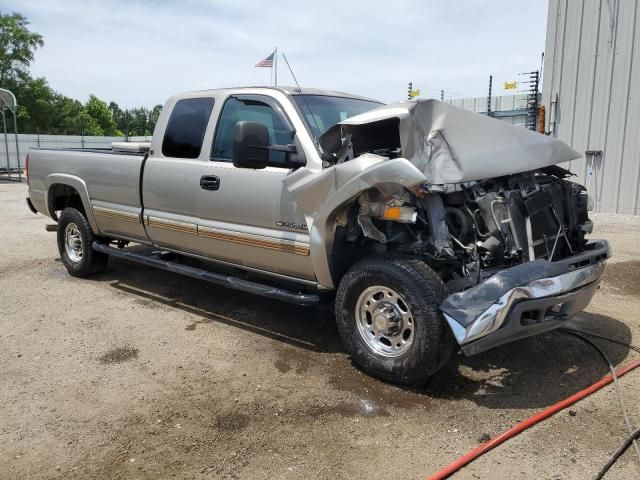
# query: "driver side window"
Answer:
x=250 y=108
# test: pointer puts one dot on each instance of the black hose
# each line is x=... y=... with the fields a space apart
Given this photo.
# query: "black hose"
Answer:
x=621 y=449
x=580 y=334
x=602 y=337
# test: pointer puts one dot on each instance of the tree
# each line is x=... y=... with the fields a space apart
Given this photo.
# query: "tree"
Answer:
x=127 y=123
x=116 y=114
x=17 y=47
x=140 y=120
x=99 y=111
x=87 y=125
x=66 y=114
x=43 y=110
x=36 y=105
x=153 y=118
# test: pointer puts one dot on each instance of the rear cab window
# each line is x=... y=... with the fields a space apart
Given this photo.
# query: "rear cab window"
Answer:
x=186 y=127
x=254 y=108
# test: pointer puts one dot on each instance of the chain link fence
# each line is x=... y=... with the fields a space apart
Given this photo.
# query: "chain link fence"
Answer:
x=510 y=97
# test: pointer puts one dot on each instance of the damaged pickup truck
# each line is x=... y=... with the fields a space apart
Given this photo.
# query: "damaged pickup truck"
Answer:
x=434 y=229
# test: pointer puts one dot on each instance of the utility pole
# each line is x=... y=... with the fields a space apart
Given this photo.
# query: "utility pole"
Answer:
x=275 y=60
x=489 y=113
x=409 y=96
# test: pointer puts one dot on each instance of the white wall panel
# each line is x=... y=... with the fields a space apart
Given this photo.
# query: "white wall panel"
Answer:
x=592 y=67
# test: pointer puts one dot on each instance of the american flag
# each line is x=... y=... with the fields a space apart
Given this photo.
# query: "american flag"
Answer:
x=267 y=62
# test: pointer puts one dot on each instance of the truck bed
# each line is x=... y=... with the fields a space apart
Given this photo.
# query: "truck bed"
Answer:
x=103 y=175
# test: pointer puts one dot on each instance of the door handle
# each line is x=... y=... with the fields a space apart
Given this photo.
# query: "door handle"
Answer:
x=209 y=182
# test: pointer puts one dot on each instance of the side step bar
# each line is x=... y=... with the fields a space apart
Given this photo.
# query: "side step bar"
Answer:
x=299 y=298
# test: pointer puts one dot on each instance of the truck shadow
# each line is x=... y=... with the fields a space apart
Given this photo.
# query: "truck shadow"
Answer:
x=537 y=371
x=310 y=328
x=530 y=373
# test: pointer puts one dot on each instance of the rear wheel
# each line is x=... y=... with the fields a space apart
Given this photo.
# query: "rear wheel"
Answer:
x=388 y=318
x=75 y=238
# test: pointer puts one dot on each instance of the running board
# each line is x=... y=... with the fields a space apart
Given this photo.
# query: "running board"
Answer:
x=299 y=298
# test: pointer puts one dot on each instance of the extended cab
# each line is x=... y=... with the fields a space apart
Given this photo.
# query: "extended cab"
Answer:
x=432 y=228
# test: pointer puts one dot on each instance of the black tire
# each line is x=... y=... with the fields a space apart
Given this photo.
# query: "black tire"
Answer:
x=89 y=262
x=422 y=291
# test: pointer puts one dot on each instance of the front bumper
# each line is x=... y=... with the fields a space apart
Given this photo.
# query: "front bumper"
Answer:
x=525 y=300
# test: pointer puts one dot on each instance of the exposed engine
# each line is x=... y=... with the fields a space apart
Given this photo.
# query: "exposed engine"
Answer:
x=468 y=232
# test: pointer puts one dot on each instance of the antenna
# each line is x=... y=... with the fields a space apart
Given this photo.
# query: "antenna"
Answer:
x=313 y=117
x=292 y=74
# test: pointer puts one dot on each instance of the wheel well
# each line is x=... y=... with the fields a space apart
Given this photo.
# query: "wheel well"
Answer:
x=351 y=243
x=349 y=246
x=62 y=196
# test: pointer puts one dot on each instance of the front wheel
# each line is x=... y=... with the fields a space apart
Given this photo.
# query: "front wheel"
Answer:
x=75 y=238
x=388 y=318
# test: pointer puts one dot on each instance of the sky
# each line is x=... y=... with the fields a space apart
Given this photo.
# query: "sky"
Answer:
x=139 y=52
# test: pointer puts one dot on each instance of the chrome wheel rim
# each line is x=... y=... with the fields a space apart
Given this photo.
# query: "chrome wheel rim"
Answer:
x=384 y=321
x=73 y=242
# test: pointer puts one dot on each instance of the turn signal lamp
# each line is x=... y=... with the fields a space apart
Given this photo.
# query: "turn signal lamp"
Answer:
x=400 y=214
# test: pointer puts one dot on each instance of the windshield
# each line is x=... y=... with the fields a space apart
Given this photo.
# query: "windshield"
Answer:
x=321 y=111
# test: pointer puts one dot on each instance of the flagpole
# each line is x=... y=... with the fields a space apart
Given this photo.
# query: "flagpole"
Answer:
x=276 y=64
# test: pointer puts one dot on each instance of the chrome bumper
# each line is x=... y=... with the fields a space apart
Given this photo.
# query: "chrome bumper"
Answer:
x=524 y=300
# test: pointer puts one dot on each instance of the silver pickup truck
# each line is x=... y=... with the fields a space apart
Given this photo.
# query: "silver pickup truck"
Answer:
x=433 y=229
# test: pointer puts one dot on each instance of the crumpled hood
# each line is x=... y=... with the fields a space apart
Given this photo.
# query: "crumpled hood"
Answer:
x=452 y=145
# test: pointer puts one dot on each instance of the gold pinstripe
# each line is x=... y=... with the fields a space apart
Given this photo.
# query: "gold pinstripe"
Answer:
x=116 y=214
x=176 y=226
x=281 y=245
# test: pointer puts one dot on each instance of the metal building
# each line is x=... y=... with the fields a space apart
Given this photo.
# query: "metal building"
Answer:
x=591 y=95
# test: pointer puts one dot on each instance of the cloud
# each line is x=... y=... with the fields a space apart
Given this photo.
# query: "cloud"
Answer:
x=138 y=52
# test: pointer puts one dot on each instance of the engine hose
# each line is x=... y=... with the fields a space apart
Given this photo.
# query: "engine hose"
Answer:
x=480 y=450
x=465 y=227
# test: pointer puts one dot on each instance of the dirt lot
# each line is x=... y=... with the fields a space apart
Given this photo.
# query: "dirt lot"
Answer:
x=140 y=373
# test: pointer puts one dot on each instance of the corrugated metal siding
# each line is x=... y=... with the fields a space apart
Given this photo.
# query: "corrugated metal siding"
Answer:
x=592 y=67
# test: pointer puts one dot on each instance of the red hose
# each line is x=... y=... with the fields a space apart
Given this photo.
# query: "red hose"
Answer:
x=532 y=420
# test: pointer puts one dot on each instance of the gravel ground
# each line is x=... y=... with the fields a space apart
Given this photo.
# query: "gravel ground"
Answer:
x=139 y=373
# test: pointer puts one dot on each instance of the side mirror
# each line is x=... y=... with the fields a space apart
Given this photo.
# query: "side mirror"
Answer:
x=250 y=145
x=251 y=148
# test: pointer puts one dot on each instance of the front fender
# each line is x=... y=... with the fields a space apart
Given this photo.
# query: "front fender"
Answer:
x=80 y=186
x=320 y=194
